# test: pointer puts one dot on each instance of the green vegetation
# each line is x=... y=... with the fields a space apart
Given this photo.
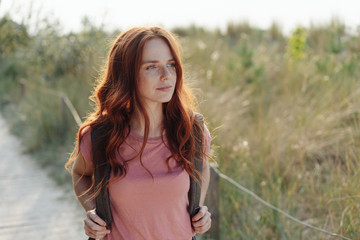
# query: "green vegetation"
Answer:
x=284 y=114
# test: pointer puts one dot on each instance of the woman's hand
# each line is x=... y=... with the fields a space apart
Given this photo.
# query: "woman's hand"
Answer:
x=202 y=220
x=94 y=226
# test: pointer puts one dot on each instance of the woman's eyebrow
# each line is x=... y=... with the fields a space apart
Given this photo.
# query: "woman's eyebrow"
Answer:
x=156 y=61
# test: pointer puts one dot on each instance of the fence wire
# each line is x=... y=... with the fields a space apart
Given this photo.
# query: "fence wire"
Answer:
x=223 y=176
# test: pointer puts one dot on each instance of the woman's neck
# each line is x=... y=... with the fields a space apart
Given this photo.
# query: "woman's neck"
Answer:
x=156 y=118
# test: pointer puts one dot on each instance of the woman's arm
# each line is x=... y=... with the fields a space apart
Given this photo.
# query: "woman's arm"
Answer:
x=202 y=220
x=205 y=182
x=82 y=181
x=82 y=173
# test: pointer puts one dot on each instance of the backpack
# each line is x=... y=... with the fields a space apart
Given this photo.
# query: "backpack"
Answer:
x=103 y=170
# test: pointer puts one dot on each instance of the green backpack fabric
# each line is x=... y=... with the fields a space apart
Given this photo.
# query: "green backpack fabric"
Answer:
x=103 y=170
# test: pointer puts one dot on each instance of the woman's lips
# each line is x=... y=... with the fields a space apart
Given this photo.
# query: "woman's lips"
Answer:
x=166 y=88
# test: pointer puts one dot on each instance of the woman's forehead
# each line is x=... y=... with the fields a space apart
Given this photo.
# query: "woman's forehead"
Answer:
x=156 y=49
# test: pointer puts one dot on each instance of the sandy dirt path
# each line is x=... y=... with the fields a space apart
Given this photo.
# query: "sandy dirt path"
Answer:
x=31 y=205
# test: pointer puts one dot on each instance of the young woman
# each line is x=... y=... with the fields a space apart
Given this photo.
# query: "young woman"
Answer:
x=142 y=96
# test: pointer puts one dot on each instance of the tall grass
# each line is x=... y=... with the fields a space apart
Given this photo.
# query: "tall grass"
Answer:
x=289 y=130
x=284 y=114
x=50 y=63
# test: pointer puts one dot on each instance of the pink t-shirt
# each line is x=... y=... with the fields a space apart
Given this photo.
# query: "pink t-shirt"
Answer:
x=143 y=208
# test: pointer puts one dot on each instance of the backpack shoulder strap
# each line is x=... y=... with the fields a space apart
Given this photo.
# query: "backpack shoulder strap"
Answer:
x=195 y=188
x=101 y=174
x=103 y=170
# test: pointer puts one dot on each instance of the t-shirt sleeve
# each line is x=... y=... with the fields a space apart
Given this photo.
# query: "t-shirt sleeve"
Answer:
x=86 y=147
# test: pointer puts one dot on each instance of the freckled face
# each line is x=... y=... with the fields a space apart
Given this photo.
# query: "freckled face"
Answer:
x=157 y=75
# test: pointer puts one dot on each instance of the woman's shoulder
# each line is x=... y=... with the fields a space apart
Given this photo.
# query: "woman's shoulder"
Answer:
x=205 y=131
x=200 y=118
x=85 y=130
x=85 y=143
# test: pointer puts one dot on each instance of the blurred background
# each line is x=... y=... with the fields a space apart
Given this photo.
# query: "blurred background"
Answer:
x=277 y=81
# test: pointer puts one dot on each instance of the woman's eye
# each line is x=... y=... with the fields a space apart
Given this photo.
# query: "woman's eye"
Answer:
x=172 y=65
x=151 y=67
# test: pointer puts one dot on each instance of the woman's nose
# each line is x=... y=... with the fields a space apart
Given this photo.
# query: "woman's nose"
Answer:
x=165 y=73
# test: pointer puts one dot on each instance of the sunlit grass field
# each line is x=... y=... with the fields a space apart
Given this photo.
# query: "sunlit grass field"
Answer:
x=283 y=112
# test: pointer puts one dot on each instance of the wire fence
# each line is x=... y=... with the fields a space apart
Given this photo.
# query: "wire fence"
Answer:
x=242 y=188
x=214 y=167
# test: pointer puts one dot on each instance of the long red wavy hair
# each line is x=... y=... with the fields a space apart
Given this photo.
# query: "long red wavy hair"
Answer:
x=116 y=96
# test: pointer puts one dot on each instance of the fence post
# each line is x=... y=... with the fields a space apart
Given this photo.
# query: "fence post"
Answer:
x=63 y=111
x=22 y=88
x=212 y=201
